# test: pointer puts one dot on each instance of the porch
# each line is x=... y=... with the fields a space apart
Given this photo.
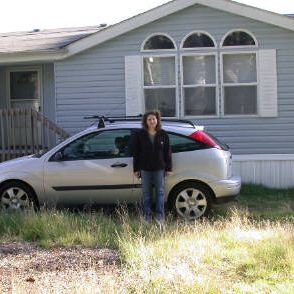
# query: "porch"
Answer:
x=26 y=131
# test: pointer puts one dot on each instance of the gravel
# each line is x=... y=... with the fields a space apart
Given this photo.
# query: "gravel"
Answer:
x=27 y=268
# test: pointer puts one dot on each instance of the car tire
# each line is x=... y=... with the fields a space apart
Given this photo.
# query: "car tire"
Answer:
x=16 y=196
x=191 y=200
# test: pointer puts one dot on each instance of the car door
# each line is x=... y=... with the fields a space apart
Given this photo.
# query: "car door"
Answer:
x=95 y=168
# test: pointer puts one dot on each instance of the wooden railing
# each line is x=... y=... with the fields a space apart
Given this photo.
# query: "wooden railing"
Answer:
x=26 y=131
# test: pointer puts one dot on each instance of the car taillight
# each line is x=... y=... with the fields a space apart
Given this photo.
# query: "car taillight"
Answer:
x=204 y=138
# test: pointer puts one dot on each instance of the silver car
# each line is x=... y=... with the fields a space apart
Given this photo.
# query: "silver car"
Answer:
x=95 y=167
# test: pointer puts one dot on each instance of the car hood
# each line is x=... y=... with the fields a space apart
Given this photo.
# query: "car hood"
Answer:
x=23 y=161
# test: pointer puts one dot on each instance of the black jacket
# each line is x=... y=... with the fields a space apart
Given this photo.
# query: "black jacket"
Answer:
x=151 y=157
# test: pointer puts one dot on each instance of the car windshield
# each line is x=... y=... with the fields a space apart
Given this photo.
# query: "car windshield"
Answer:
x=40 y=153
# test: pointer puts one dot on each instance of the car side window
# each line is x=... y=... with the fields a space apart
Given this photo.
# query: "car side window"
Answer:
x=180 y=143
x=99 y=145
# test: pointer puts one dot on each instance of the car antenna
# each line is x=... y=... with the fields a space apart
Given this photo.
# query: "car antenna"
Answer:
x=101 y=120
x=101 y=123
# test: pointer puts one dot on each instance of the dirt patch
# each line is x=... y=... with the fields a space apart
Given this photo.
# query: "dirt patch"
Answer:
x=26 y=268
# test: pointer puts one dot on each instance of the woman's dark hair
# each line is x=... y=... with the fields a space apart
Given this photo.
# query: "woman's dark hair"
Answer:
x=156 y=113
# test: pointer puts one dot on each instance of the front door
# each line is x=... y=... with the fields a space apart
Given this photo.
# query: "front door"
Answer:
x=95 y=168
x=25 y=93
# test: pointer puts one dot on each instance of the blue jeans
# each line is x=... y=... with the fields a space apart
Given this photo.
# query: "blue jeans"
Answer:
x=156 y=178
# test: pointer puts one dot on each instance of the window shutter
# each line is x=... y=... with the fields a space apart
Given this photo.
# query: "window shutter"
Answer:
x=268 y=83
x=133 y=84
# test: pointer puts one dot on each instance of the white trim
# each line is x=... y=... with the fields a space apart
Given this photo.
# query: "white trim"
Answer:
x=158 y=54
x=239 y=46
x=18 y=57
x=272 y=157
x=270 y=170
x=156 y=50
x=240 y=116
x=240 y=84
x=55 y=93
x=223 y=84
x=133 y=85
x=39 y=70
x=160 y=87
x=215 y=85
x=268 y=92
x=252 y=50
x=199 y=85
x=198 y=48
x=175 y=86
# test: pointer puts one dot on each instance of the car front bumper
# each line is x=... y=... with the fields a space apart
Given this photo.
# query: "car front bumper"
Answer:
x=226 y=190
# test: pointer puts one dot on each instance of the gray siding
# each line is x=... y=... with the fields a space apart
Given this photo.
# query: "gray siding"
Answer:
x=93 y=81
x=3 y=101
x=49 y=92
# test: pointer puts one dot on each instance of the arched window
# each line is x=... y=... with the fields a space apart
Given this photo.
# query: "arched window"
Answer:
x=239 y=38
x=198 y=40
x=159 y=70
x=199 y=83
x=239 y=74
x=159 y=42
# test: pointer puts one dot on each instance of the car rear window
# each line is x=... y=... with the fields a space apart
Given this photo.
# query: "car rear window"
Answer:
x=223 y=145
x=180 y=143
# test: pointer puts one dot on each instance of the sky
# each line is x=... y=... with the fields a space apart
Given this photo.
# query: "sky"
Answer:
x=19 y=15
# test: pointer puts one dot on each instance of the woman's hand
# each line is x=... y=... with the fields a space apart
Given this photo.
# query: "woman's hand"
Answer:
x=168 y=173
x=137 y=174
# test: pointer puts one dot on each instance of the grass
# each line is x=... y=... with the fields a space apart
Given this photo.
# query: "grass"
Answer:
x=246 y=247
x=59 y=228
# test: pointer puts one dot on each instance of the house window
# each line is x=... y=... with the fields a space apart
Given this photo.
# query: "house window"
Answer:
x=239 y=83
x=160 y=84
x=199 y=84
x=198 y=40
x=159 y=87
x=239 y=74
x=24 y=87
x=198 y=76
x=158 y=42
x=239 y=38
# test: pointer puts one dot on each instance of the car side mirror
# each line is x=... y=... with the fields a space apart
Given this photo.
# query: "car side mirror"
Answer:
x=58 y=156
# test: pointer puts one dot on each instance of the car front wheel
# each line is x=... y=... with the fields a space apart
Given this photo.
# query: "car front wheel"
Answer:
x=16 y=196
x=191 y=200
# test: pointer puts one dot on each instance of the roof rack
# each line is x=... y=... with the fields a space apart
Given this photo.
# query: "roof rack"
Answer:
x=101 y=120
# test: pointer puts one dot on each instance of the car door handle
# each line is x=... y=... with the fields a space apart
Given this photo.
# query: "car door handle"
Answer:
x=119 y=164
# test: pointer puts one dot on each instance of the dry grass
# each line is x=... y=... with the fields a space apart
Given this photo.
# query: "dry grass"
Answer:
x=233 y=255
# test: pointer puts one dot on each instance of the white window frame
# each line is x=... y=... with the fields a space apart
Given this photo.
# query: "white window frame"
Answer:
x=240 y=46
x=216 y=85
x=158 y=50
x=38 y=69
x=198 y=48
x=176 y=87
x=223 y=84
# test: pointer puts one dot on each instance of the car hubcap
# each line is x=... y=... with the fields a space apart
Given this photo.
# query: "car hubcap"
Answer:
x=191 y=203
x=14 y=198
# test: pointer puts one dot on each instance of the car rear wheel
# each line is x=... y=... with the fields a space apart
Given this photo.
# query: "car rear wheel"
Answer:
x=16 y=196
x=191 y=200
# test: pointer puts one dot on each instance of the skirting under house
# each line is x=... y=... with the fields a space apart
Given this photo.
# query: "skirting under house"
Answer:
x=271 y=170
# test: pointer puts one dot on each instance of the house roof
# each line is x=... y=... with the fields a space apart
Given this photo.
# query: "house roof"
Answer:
x=95 y=38
x=43 y=40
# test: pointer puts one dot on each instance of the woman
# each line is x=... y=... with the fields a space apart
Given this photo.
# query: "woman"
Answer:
x=152 y=162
